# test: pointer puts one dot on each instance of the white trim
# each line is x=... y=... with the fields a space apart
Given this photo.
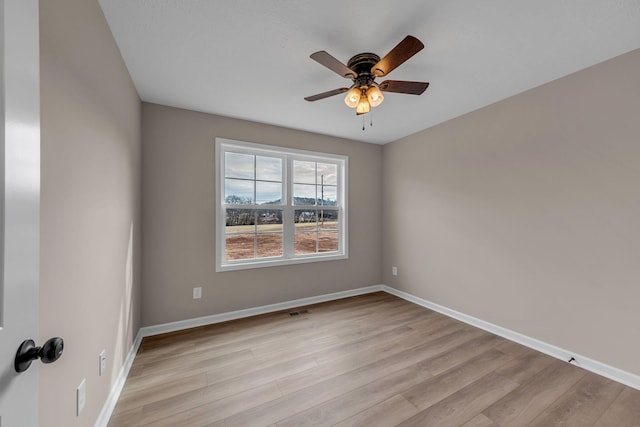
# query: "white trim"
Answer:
x=114 y=395
x=615 y=374
x=239 y=314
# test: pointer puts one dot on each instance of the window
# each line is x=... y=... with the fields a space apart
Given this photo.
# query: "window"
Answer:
x=277 y=206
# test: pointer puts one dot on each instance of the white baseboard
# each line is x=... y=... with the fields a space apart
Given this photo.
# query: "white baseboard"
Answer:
x=594 y=366
x=114 y=395
x=239 y=314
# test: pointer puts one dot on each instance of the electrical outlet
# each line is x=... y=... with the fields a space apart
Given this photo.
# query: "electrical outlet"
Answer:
x=102 y=357
x=81 y=396
x=197 y=293
x=394 y=271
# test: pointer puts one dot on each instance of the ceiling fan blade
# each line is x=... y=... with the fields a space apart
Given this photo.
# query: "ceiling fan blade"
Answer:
x=326 y=94
x=401 y=86
x=404 y=50
x=323 y=58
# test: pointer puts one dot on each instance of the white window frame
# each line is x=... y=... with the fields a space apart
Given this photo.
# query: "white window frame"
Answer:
x=288 y=155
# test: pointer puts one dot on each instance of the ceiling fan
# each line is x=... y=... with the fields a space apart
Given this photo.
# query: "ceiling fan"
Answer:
x=364 y=68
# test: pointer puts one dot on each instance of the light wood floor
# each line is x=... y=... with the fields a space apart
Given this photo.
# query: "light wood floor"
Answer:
x=372 y=360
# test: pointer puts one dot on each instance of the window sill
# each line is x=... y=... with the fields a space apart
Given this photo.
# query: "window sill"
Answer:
x=234 y=266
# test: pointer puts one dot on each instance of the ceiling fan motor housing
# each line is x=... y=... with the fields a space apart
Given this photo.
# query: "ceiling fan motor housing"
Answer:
x=362 y=64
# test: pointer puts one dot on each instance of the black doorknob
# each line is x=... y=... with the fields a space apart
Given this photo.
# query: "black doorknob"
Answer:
x=28 y=352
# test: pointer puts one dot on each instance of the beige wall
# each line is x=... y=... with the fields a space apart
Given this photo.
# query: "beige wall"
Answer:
x=179 y=222
x=90 y=207
x=526 y=213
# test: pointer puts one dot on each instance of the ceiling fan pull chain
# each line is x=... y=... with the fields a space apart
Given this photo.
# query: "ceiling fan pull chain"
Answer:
x=363 y=123
x=371 y=118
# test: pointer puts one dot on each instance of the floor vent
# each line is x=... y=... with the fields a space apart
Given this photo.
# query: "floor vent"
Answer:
x=298 y=313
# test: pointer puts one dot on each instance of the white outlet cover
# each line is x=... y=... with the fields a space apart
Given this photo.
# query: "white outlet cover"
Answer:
x=81 y=396
x=197 y=293
x=102 y=360
x=394 y=271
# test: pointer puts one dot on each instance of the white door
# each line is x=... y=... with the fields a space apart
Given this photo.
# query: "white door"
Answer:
x=19 y=200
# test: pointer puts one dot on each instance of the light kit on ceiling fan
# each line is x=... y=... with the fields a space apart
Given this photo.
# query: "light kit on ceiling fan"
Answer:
x=363 y=98
x=375 y=96
x=364 y=68
x=363 y=106
x=353 y=97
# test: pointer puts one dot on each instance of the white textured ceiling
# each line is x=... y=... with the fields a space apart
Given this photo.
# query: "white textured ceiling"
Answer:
x=249 y=59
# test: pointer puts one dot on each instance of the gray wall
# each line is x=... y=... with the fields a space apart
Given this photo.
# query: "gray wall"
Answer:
x=179 y=223
x=90 y=207
x=526 y=213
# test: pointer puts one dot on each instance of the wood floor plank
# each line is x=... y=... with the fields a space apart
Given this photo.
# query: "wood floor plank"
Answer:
x=464 y=352
x=369 y=360
x=531 y=398
x=463 y=405
x=350 y=403
x=218 y=344
x=514 y=349
x=525 y=367
x=174 y=373
x=201 y=396
x=318 y=393
x=215 y=411
x=368 y=327
x=150 y=367
x=299 y=347
x=161 y=391
x=479 y=420
x=624 y=411
x=199 y=362
x=217 y=374
x=581 y=405
x=432 y=391
x=388 y=413
x=366 y=344
x=125 y=418
x=355 y=360
x=434 y=321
